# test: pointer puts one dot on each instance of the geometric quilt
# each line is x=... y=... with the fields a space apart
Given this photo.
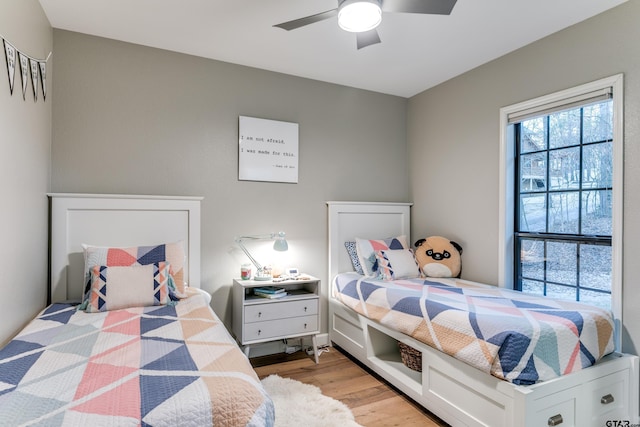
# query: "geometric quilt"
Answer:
x=514 y=336
x=144 y=366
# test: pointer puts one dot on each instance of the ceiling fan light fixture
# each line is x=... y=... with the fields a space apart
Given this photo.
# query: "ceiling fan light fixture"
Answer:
x=359 y=15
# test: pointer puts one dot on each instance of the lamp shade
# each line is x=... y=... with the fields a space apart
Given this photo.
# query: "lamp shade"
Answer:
x=280 y=244
x=359 y=15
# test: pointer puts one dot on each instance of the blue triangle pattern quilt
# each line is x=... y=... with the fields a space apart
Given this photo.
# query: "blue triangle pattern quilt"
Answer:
x=517 y=337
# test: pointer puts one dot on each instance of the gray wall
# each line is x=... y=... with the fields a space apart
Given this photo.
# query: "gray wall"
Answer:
x=136 y=120
x=453 y=138
x=25 y=143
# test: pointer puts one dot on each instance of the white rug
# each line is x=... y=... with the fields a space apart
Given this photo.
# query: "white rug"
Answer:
x=298 y=404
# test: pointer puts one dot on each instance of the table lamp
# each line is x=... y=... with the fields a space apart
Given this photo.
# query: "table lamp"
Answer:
x=280 y=244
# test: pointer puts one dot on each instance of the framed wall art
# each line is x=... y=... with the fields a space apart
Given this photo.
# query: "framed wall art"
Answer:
x=267 y=150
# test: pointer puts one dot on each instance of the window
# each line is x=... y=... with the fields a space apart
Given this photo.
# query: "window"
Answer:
x=561 y=200
x=563 y=206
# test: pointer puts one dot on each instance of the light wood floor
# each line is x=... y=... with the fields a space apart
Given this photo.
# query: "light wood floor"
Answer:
x=374 y=402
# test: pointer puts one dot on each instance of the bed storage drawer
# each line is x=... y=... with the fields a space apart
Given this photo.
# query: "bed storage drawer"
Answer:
x=558 y=409
x=281 y=328
x=608 y=398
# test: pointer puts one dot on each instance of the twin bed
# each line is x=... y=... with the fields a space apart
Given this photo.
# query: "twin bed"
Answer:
x=154 y=361
x=489 y=356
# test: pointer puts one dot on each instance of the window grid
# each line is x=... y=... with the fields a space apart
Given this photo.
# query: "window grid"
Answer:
x=578 y=239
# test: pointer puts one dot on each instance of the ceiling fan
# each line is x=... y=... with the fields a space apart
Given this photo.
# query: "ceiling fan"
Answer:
x=363 y=16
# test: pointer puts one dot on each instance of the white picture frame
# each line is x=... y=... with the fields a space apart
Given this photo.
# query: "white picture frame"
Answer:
x=267 y=150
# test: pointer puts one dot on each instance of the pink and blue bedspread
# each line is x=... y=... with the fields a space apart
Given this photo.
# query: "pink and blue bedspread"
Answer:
x=514 y=336
x=143 y=366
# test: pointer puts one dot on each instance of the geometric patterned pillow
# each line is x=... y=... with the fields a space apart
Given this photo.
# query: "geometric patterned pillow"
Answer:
x=353 y=254
x=367 y=248
x=114 y=288
x=172 y=253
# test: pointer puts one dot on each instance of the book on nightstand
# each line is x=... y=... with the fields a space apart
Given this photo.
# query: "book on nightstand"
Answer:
x=268 y=290
x=270 y=295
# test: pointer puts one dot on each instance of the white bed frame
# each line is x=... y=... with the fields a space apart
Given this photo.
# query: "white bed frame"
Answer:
x=117 y=220
x=458 y=393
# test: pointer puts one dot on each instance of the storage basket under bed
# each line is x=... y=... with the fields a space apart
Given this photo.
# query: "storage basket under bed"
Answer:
x=411 y=357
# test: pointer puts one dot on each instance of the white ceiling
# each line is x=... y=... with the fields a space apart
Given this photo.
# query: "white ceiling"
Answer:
x=416 y=53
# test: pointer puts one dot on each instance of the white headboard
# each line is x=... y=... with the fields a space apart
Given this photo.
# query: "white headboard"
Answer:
x=369 y=220
x=117 y=220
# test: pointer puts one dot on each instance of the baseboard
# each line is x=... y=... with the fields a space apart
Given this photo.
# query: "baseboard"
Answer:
x=323 y=340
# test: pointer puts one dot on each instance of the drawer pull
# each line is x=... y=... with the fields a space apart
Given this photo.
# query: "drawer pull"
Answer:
x=305 y=326
x=556 y=420
x=605 y=400
x=305 y=309
x=259 y=331
x=259 y=314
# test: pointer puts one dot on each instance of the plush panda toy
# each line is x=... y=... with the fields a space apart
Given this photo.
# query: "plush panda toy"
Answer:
x=439 y=257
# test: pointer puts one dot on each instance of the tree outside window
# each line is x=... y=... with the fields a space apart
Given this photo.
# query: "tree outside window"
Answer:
x=563 y=217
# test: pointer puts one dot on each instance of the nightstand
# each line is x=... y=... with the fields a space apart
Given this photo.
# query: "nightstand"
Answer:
x=258 y=319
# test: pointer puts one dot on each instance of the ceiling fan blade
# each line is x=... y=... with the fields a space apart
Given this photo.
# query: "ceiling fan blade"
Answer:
x=367 y=38
x=297 y=23
x=435 y=7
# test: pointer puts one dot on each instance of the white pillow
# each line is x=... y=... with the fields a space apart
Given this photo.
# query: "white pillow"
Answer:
x=114 y=288
x=172 y=253
x=397 y=264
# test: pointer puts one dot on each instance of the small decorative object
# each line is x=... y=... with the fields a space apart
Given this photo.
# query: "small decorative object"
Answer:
x=267 y=150
x=245 y=271
x=439 y=257
x=280 y=244
x=267 y=271
x=293 y=272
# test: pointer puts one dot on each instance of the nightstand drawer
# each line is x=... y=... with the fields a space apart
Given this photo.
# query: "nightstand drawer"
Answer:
x=281 y=328
x=280 y=310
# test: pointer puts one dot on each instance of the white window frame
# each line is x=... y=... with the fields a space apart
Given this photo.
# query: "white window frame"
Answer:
x=507 y=180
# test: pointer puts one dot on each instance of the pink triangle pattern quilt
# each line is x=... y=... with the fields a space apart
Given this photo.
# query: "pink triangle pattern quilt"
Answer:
x=142 y=366
x=520 y=338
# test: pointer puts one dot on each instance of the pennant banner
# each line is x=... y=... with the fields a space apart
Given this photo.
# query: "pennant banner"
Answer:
x=30 y=69
x=10 y=54
x=24 y=73
x=43 y=79
x=34 y=77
